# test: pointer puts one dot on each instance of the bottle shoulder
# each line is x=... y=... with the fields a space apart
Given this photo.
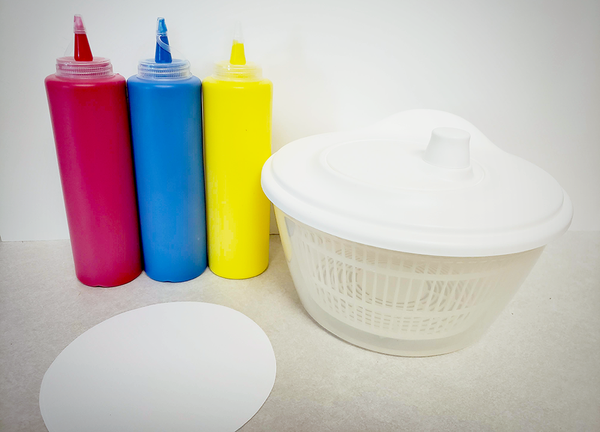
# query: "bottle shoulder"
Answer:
x=115 y=79
x=212 y=81
x=192 y=81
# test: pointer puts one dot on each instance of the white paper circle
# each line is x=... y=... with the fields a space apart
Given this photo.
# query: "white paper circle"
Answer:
x=181 y=367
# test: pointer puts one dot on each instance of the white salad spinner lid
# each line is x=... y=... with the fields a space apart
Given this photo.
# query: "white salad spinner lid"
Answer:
x=421 y=181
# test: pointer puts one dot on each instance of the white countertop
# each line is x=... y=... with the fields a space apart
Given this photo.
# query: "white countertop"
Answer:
x=537 y=368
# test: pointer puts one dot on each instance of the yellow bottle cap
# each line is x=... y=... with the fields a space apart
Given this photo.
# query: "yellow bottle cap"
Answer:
x=237 y=69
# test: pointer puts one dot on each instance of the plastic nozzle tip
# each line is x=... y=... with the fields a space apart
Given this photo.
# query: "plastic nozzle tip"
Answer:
x=238 y=56
x=237 y=32
x=82 y=46
x=78 y=26
x=163 y=51
x=161 y=26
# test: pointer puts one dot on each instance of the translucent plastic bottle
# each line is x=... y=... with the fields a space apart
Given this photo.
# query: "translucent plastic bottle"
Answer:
x=88 y=108
x=237 y=131
x=166 y=127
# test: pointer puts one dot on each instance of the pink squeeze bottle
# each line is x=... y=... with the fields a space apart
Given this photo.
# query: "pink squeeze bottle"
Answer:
x=88 y=108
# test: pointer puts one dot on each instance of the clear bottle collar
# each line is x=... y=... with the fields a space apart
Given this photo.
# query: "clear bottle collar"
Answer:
x=177 y=69
x=226 y=71
x=99 y=67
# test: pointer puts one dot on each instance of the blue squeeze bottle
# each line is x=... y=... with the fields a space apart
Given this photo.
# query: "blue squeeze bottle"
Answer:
x=166 y=128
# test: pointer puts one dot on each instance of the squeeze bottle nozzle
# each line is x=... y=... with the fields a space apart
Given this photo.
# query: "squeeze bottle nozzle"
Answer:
x=237 y=50
x=163 y=50
x=82 y=46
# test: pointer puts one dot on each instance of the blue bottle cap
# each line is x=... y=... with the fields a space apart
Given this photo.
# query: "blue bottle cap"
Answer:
x=163 y=66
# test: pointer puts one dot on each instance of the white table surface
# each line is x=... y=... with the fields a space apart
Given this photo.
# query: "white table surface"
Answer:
x=536 y=369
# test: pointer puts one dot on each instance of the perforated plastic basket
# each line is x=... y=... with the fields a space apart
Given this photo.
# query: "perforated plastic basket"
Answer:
x=395 y=302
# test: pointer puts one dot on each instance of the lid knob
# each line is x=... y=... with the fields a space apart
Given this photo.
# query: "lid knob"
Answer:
x=448 y=148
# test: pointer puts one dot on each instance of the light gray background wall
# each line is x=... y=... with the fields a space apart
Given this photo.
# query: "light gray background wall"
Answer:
x=527 y=73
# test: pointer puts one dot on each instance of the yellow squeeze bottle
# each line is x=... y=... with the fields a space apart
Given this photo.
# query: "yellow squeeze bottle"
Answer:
x=237 y=142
